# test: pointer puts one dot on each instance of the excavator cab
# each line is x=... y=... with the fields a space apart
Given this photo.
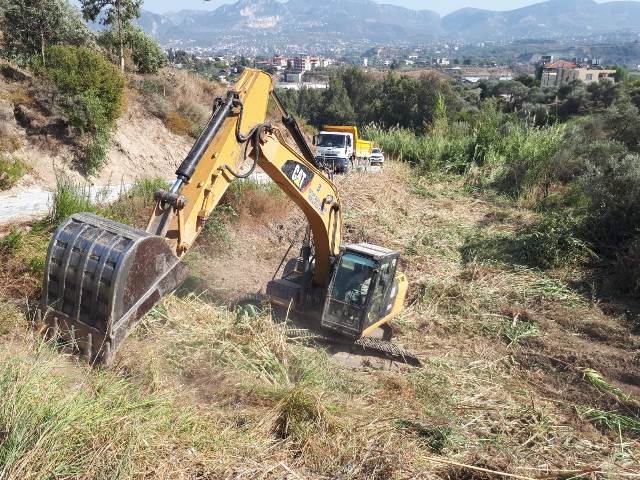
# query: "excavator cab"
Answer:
x=363 y=291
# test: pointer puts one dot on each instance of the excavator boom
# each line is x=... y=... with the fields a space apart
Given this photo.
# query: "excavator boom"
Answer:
x=102 y=277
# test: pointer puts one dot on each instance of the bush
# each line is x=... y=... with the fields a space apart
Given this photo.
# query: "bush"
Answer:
x=526 y=159
x=9 y=143
x=179 y=99
x=626 y=268
x=553 y=242
x=146 y=54
x=177 y=124
x=88 y=78
x=92 y=91
x=452 y=151
x=96 y=153
x=11 y=171
x=612 y=188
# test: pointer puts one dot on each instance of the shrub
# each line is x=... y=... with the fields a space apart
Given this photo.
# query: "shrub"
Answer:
x=451 y=151
x=179 y=99
x=88 y=78
x=146 y=54
x=612 y=189
x=526 y=158
x=11 y=171
x=92 y=91
x=626 y=268
x=96 y=153
x=9 y=143
x=553 y=242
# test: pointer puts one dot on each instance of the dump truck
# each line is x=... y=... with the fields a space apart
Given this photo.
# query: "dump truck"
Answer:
x=102 y=277
x=340 y=149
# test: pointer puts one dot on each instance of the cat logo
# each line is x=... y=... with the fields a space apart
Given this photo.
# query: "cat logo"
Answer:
x=299 y=174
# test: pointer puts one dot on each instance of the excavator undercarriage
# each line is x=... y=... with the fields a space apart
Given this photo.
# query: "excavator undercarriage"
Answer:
x=102 y=277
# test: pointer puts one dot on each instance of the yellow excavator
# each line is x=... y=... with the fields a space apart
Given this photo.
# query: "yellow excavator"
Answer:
x=102 y=277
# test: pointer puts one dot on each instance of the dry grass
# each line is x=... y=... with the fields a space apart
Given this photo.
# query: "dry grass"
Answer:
x=506 y=385
x=178 y=98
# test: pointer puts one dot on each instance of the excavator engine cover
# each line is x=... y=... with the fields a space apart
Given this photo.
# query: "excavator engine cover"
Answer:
x=101 y=278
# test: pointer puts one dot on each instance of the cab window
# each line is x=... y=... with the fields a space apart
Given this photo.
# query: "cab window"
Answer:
x=353 y=279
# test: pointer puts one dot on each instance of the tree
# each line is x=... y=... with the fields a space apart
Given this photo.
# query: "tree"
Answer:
x=146 y=54
x=337 y=108
x=30 y=26
x=117 y=14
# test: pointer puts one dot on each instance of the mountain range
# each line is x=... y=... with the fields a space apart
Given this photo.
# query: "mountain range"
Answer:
x=366 y=20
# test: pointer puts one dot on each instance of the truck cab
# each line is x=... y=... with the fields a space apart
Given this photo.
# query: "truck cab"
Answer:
x=334 y=150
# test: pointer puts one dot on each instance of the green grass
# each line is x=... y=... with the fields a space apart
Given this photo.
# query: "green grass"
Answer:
x=615 y=421
x=11 y=171
x=518 y=330
x=11 y=242
x=596 y=379
x=437 y=438
x=68 y=199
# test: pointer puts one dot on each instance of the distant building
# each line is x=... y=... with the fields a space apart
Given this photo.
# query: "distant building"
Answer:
x=365 y=62
x=301 y=63
x=444 y=62
x=544 y=59
x=476 y=74
x=306 y=63
x=562 y=72
x=279 y=62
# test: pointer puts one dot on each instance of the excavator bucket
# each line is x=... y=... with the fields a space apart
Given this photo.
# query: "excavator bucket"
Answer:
x=101 y=278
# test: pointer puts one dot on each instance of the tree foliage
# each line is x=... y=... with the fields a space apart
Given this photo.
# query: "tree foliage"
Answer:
x=146 y=54
x=30 y=26
x=355 y=97
x=91 y=90
x=118 y=14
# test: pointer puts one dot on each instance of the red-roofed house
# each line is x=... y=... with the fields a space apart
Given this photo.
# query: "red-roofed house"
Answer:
x=562 y=72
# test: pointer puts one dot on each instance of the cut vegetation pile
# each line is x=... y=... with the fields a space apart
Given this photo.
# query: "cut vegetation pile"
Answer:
x=526 y=371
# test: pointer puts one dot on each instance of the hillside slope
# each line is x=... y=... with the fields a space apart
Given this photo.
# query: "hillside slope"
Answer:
x=141 y=144
x=209 y=393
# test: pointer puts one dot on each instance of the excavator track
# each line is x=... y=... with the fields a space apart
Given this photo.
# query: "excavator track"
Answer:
x=367 y=345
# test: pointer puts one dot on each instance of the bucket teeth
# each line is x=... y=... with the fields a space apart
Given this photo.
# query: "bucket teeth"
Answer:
x=101 y=277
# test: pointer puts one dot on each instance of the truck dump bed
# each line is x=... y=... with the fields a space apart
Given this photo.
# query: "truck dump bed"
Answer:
x=363 y=148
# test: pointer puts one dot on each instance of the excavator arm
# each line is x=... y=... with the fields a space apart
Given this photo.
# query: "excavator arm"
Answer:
x=101 y=277
x=236 y=135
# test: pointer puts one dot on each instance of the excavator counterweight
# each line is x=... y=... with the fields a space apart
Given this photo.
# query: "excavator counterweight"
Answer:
x=102 y=277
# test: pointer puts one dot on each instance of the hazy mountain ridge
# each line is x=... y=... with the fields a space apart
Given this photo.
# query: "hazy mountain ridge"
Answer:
x=367 y=20
x=548 y=19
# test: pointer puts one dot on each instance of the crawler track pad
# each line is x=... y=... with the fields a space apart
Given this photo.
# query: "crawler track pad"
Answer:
x=101 y=278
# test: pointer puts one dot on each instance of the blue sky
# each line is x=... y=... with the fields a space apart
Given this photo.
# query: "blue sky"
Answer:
x=440 y=6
